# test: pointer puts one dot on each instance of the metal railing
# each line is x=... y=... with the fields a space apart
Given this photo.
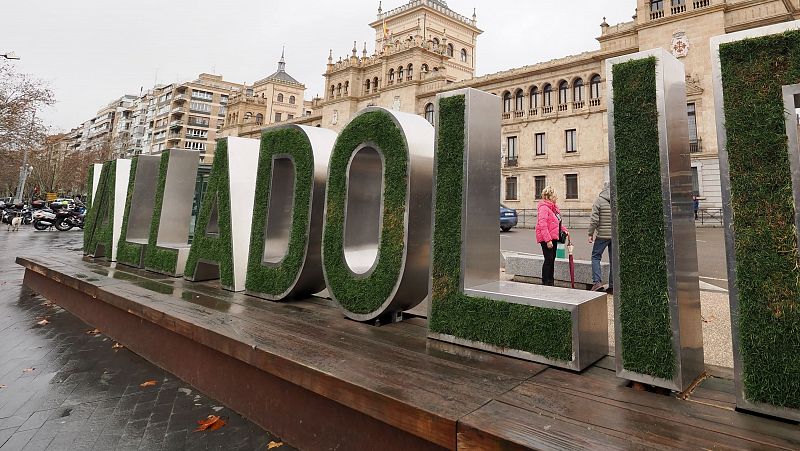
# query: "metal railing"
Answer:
x=709 y=216
x=695 y=145
x=510 y=162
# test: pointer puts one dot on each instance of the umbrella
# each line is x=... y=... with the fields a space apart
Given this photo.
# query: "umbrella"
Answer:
x=571 y=248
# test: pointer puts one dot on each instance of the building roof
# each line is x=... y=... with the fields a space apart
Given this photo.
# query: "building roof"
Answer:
x=281 y=74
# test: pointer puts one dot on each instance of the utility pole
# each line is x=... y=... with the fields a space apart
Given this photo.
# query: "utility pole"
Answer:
x=25 y=169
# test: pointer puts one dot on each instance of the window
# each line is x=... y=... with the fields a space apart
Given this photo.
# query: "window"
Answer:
x=292 y=100
x=202 y=95
x=259 y=118
x=571 y=140
x=594 y=87
x=539 y=183
x=278 y=117
x=463 y=55
x=249 y=92
x=400 y=74
x=391 y=75
x=534 y=98
x=289 y=117
x=280 y=98
x=547 y=96
x=695 y=181
x=346 y=87
x=410 y=71
x=367 y=86
x=511 y=188
x=223 y=99
x=339 y=90
x=222 y=110
x=656 y=5
x=196 y=133
x=333 y=90
x=429 y=113
x=511 y=151
x=572 y=186
x=563 y=87
x=506 y=102
x=450 y=50
x=375 y=84
x=194 y=145
x=539 y=143
x=196 y=120
x=577 y=90
x=200 y=107
x=693 y=140
x=424 y=68
x=519 y=103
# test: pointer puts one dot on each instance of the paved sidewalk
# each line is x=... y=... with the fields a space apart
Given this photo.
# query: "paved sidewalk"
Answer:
x=62 y=388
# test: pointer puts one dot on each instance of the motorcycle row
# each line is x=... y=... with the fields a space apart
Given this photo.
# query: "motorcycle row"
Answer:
x=63 y=214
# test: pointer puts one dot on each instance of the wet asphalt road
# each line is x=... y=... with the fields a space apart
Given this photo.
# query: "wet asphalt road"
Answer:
x=64 y=389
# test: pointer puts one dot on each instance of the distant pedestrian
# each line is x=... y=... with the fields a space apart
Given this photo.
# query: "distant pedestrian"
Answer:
x=600 y=236
x=696 y=202
x=549 y=232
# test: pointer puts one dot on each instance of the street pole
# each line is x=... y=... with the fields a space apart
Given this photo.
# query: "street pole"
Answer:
x=25 y=169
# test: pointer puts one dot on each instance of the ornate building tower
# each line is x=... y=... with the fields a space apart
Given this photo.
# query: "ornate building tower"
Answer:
x=419 y=47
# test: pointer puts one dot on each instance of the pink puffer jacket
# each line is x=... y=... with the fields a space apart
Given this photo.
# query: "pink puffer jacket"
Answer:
x=547 y=222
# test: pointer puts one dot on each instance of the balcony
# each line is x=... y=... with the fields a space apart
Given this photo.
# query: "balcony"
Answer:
x=533 y=112
x=178 y=111
x=679 y=8
x=510 y=162
x=175 y=124
x=578 y=105
x=519 y=114
x=506 y=116
x=656 y=14
x=563 y=107
x=696 y=145
x=547 y=110
x=594 y=102
x=180 y=98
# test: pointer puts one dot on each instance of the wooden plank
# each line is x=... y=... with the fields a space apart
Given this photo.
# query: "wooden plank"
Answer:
x=670 y=410
x=500 y=426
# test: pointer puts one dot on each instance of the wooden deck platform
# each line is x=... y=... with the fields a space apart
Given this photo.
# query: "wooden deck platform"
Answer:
x=320 y=381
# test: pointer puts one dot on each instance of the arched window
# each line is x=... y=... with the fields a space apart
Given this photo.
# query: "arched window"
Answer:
x=292 y=100
x=577 y=90
x=280 y=98
x=563 y=89
x=410 y=72
x=400 y=74
x=534 y=98
x=594 y=87
x=424 y=69
x=346 y=87
x=339 y=90
x=333 y=90
x=450 y=50
x=519 y=100
x=506 y=102
x=259 y=118
x=463 y=55
x=375 y=84
x=248 y=115
x=435 y=42
x=391 y=75
x=547 y=96
x=429 y=113
x=367 y=86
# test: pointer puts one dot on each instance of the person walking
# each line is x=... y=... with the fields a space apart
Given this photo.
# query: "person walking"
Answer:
x=600 y=236
x=549 y=232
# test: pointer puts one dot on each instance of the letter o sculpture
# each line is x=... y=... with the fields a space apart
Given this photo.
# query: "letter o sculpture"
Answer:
x=376 y=238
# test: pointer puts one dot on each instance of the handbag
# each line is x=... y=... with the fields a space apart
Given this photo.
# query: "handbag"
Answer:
x=562 y=235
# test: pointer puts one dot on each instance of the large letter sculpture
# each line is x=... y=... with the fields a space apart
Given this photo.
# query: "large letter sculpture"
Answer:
x=168 y=235
x=92 y=180
x=104 y=220
x=469 y=305
x=222 y=235
x=286 y=234
x=136 y=226
x=659 y=338
x=376 y=239
x=757 y=92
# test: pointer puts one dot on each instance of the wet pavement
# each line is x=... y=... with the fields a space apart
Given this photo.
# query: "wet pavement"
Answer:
x=63 y=387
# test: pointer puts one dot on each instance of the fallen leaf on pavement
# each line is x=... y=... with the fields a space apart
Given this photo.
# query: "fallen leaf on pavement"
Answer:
x=28 y=370
x=43 y=322
x=2 y=386
x=117 y=346
x=147 y=384
x=93 y=332
x=212 y=422
x=272 y=445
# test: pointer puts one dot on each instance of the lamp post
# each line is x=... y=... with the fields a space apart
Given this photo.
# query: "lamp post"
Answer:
x=26 y=169
x=10 y=56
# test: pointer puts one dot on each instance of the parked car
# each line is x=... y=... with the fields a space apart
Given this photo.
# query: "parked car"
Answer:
x=508 y=218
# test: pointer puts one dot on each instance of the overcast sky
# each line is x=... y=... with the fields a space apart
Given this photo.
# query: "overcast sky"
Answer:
x=93 y=51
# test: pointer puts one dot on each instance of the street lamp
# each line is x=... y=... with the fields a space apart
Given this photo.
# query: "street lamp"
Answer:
x=10 y=56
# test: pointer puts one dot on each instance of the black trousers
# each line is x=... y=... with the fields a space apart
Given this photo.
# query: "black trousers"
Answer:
x=549 y=266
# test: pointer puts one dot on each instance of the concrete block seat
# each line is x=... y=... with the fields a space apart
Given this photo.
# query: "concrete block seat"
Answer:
x=528 y=268
x=588 y=310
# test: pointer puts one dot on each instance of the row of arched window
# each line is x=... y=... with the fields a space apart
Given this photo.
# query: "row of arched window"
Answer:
x=371 y=85
x=233 y=118
x=450 y=51
x=292 y=99
x=544 y=97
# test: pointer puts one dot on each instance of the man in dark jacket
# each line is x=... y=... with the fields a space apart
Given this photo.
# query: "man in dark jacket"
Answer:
x=600 y=235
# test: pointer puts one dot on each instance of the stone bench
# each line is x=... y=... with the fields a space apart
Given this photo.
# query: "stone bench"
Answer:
x=528 y=268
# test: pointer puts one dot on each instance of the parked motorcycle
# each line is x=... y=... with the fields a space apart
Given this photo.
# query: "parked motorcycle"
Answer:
x=44 y=219
x=67 y=219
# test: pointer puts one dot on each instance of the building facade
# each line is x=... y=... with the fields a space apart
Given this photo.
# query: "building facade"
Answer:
x=554 y=116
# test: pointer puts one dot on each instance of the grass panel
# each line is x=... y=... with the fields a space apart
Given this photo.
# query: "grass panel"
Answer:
x=753 y=73
x=129 y=253
x=541 y=331
x=158 y=258
x=276 y=280
x=644 y=310
x=99 y=226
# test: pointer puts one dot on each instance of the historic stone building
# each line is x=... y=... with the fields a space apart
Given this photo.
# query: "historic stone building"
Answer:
x=554 y=122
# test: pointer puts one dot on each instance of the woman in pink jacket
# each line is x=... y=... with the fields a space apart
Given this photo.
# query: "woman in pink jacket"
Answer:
x=548 y=226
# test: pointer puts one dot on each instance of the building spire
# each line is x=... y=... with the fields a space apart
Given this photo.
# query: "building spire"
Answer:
x=380 y=9
x=282 y=62
x=365 y=49
x=355 y=50
x=474 y=16
x=330 y=57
